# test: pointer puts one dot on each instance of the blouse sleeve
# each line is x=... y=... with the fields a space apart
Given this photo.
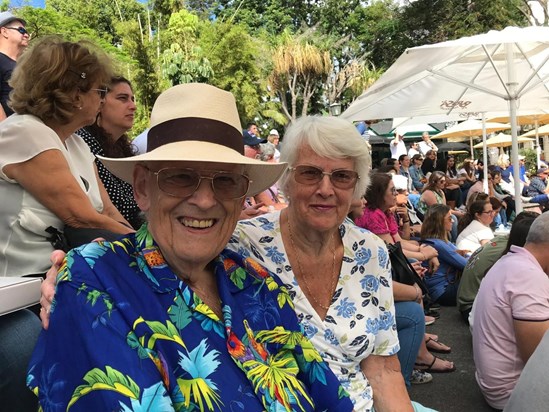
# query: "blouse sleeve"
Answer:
x=23 y=137
x=375 y=221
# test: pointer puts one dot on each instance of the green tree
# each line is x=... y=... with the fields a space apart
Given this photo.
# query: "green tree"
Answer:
x=232 y=53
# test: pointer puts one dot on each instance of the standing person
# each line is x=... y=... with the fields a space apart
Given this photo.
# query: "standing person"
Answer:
x=251 y=141
x=413 y=150
x=511 y=314
x=107 y=137
x=14 y=38
x=397 y=145
x=427 y=144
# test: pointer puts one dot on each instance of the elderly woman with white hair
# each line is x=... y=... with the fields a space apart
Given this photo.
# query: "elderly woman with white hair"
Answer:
x=168 y=319
x=338 y=275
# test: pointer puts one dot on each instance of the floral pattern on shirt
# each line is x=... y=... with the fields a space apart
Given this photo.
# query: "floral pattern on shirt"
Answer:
x=126 y=334
x=361 y=319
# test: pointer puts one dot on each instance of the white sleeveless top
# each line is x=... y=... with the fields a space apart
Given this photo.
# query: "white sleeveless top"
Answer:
x=24 y=248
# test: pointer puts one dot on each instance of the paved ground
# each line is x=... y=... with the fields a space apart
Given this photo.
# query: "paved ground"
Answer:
x=457 y=391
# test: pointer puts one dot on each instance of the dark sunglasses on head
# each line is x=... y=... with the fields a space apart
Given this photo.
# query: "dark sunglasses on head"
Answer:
x=20 y=29
x=312 y=175
x=184 y=182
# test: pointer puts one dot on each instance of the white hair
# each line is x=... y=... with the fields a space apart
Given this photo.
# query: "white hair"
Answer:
x=330 y=137
x=539 y=231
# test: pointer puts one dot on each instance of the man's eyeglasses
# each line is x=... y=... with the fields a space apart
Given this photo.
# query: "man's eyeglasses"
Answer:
x=184 y=182
x=101 y=92
x=312 y=175
x=20 y=29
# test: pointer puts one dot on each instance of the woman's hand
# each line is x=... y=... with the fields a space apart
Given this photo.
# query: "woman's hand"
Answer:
x=47 y=289
x=434 y=264
x=463 y=252
x=428 y=251
x=420 y=270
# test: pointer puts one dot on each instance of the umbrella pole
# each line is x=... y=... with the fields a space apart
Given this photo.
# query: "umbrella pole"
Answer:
x=484 y=154
x=471 y=146
x=538 y=147
x=512 y=84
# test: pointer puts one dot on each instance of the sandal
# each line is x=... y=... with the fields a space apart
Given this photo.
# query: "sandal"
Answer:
x=429 y=368
x=435 y=346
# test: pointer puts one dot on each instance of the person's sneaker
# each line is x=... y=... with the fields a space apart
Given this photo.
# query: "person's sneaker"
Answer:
x=418 y=377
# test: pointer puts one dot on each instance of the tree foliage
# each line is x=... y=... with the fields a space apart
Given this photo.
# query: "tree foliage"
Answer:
x=280 y=58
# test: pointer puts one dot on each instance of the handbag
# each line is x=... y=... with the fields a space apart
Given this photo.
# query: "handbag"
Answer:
x=401 y=269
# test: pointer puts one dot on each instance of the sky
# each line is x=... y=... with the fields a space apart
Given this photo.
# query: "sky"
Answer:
x=21 y=3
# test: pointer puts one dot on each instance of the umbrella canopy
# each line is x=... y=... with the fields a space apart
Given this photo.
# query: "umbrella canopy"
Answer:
x=522 y=118
x=452 y=147
x=502 y=140
x=470 y=128
x=484 y=73
x=542 y=131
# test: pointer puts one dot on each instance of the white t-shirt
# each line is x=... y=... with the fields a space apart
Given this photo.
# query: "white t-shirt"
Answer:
x=398 y=149
x=515 y=288
x=472 y=235
x=24 y=247
x=424 y=147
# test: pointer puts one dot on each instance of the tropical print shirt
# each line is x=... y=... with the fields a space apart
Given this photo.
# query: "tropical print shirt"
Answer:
x=126 y=334
x=361 y=318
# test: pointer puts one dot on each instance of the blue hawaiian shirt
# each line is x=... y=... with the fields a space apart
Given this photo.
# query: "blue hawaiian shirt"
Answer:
x=126 y=334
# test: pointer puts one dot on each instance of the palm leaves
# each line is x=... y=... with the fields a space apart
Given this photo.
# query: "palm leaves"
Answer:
x=200 y=364
x=110 y=379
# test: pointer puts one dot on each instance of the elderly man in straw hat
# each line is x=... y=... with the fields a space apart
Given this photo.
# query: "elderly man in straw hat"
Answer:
x=167 y=318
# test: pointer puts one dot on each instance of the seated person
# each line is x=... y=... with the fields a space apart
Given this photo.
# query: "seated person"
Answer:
x=444 y=282
x=167 y=318
x=474 y=227
x=511 y=314
x=530 y=393
x=484 y=258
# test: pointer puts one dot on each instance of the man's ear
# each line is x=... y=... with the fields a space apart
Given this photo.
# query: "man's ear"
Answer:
x=141 y=190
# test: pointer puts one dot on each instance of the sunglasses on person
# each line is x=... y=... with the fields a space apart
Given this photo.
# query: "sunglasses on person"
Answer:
x=20 y=29
x=312 y=175
x=101 y=92
x=184 y=182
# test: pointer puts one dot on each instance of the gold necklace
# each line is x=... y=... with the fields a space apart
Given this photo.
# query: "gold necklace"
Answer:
x=334 y=280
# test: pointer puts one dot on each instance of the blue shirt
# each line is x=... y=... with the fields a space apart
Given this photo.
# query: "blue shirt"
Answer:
x=451 y=266
x=126 y=334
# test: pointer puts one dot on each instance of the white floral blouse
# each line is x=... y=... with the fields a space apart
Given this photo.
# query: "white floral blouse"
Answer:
x=361 y=318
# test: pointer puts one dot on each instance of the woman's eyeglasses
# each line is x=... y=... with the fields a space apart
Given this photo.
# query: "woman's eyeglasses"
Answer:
x=184 y=182
x=101 y=92
x=20 y=29
x=312 y=175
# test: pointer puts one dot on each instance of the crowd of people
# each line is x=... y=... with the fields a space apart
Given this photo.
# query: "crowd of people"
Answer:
x=213 y=269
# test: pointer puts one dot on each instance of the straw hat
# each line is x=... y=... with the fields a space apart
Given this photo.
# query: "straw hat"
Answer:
x=197 y=122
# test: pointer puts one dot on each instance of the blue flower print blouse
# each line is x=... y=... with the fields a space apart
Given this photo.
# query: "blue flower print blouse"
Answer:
x=361 y=317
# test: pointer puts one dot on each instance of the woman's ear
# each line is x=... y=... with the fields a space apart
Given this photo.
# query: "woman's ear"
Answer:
x=77 y=99
x=141 y=190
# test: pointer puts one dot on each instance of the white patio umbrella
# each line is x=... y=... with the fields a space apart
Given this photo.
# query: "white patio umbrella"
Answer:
x=502 y=140
x=497 y=71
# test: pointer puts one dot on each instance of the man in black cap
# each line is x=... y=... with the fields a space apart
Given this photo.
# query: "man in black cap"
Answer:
x=14 y=38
